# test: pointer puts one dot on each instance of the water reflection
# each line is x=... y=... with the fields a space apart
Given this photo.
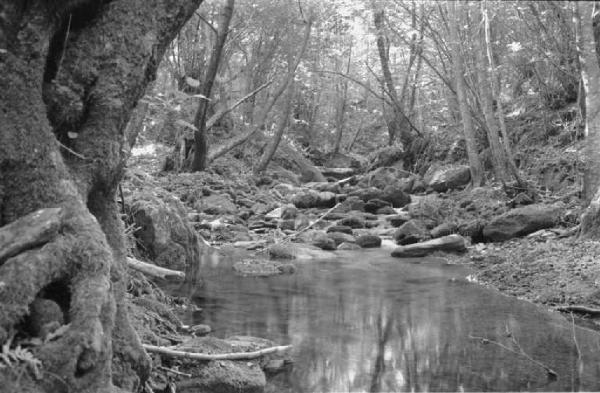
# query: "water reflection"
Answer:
x=368 y=322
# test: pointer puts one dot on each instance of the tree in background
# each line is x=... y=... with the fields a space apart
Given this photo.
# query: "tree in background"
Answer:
x=590 y=74
x=465 y=115
x=200 y=138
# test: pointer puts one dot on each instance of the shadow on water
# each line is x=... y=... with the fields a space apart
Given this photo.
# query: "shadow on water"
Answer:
x=368 y=322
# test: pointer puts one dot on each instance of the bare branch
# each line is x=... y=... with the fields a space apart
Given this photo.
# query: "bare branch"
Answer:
x=217 y=356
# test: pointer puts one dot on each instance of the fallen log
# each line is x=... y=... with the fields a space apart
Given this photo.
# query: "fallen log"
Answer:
x=216 y=356
x=580 y=310
x=338 y=173
x=153 y=270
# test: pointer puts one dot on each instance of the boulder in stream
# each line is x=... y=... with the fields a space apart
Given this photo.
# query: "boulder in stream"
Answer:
x=368 y=241
x=375 y=204
x=412 y=231
x=352 y=221
x=451 y=243
x=521 y=221
x=310 y=199
x=395 y=195
x=223 y=376
x=217 y=204
x=398 y=219
x=165 y=235
x=324 y=242
x=340 y=237
x=451 y=177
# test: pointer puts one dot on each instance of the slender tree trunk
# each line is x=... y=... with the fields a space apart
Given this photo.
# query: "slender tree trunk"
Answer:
x=469 y=132
x=496 y=92
x=356 y=134
x=493 y=131
x=200 y=160
x=396 y=120
x=109 y=57
x=590 y=74
x=281 y=126
x=341 y=109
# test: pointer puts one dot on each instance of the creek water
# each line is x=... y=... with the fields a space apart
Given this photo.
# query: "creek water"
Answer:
x=369 y=322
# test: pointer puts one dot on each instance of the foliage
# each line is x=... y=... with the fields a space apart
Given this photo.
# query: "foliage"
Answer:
x=13 y=357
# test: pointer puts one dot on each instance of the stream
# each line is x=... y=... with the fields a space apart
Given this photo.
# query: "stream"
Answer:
x=367 y=322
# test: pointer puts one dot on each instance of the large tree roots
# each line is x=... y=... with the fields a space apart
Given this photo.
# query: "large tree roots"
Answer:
x=59 y=259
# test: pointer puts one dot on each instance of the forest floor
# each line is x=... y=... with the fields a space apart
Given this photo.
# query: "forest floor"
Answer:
x=553 y=272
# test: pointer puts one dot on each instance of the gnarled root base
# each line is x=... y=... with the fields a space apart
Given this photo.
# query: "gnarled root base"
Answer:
x=62 y=256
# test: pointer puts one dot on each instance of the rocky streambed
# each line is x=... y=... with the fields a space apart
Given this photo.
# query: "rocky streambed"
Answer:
x=273 y=223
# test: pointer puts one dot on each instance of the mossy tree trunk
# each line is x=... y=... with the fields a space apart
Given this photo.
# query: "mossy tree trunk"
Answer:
x=71 y=73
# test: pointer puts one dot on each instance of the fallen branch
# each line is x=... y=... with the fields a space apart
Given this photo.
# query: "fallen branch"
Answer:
x=551 y=373
x=153 y=270
x=219 y=115
x=315 y=222
x=579 y=310
x=216 y=356
x=170 y=370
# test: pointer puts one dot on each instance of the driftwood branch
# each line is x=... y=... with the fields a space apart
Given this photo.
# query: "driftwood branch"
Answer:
x=315 y=222
x=551 y=373
x=153 y=270
x=217 y=356
x=176 y=372
x=33 y=230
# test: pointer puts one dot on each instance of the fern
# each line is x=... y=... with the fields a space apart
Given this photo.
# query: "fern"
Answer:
x=13 y=357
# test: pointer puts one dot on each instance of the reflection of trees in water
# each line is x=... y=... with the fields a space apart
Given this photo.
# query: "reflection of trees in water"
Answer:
x=357 y=330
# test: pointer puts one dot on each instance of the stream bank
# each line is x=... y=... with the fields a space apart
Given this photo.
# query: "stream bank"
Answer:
x=273 y=223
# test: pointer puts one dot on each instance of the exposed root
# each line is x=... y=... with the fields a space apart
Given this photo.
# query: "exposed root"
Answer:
x=32 y=230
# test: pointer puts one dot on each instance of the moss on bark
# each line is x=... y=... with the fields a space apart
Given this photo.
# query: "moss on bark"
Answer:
x=112 y=51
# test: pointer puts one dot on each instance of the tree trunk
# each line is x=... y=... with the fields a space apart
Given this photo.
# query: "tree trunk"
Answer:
x=200 y=138
x=66 y=100
x=510 y=162
x=493 y=131
x=396 y=121
x=281 y=126
x=341 y=108
x=590 y=74
x=469 y=132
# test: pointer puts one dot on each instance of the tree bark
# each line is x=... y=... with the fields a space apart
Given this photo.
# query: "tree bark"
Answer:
x=590 y=74
x=341 y=108
x=495 y=92
x=493 y=132
x=469 y=132
x=200 y=160
x=280 y=128
x=78 y=91
x=396 y=121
